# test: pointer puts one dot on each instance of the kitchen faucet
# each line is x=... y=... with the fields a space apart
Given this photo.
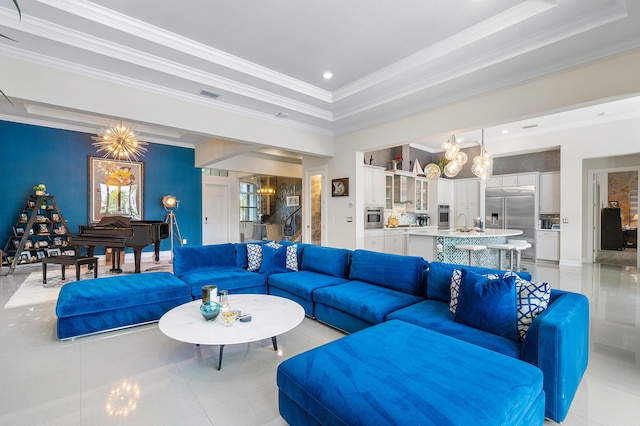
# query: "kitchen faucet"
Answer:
x=465 y=220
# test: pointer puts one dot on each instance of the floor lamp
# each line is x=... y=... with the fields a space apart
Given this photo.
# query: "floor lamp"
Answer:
x=171 y=205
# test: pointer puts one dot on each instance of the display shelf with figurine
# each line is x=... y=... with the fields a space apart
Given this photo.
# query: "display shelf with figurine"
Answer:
x=40 y=231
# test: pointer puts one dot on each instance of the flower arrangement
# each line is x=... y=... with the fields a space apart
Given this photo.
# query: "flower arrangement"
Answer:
x=40 y=187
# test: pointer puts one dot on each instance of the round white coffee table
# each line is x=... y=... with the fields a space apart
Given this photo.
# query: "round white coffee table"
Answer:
x=271 y=315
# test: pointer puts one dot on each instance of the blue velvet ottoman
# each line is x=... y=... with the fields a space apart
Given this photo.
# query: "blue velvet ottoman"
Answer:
x=400 y=373
x=102 y=304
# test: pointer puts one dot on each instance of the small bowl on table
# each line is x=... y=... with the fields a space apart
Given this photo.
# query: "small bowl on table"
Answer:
x=210 y=310
x=229 y=317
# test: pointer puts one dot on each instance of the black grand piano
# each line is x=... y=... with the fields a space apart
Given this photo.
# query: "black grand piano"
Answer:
x=118 y=232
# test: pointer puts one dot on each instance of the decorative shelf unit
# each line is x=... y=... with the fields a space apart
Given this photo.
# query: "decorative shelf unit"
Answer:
x=40 y=231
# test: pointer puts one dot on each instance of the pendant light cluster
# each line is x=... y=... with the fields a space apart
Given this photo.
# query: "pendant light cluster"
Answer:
x=456 y=158
x=120 y=143
x=482 y=163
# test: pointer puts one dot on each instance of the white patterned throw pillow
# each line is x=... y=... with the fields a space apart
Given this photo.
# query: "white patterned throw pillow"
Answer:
x=254 y=257
x=533 y=299
x=292 y=257
x=456 y=277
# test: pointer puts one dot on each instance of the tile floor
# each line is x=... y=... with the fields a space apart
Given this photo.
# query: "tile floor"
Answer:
x=138 y=376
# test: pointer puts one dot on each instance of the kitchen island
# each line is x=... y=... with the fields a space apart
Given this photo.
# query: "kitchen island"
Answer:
x=439 y=244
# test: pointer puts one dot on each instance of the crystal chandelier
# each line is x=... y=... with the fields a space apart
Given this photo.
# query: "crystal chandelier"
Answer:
x=456 y=158
x=482 y=163
x=120 y=143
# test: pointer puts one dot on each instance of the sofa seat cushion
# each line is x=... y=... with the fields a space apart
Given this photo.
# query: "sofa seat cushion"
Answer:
x=398 y=373
x=401 y=273
x=231 y=278
x=435 y=315
x=363 y=300
x=303 y=283
x=123 y=291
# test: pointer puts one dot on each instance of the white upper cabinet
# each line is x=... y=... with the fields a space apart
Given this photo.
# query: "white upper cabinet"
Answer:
x=513 y=180
x=550 y=192
x=374 y=185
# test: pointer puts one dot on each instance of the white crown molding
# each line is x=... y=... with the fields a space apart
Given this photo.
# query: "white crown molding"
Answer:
x=40 y=28
x=144 y=30
x=74 y=68
x=581 y=23
x=457 y=41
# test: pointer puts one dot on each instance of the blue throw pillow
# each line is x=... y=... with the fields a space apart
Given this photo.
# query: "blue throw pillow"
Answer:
x=274 y=258
x=488 y=304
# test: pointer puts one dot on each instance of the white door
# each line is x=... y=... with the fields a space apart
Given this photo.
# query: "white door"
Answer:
x=215 y=214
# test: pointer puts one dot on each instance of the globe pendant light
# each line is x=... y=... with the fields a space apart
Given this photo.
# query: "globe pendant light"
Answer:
x=482 y=163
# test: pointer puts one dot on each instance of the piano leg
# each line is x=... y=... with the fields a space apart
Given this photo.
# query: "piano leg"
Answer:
x=137 y=254
x=156 y=249
x=115 y=261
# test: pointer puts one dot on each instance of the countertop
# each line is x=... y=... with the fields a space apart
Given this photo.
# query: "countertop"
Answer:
x=472 y=234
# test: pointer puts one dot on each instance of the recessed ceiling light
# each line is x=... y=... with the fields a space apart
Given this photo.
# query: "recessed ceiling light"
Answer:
x=327 y=75
x=282 y=114
x=505 y=131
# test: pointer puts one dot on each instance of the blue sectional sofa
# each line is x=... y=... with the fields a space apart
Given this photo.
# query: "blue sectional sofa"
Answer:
x=358 y=290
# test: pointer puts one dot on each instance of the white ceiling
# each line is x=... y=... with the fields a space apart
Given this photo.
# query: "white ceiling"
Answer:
x=265 y=58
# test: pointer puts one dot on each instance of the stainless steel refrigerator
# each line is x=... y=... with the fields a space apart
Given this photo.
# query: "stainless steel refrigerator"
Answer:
x=513 y=208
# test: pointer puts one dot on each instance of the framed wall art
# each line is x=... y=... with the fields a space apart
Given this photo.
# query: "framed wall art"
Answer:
x=340 y=187
x=115 y=188
x=293 y=201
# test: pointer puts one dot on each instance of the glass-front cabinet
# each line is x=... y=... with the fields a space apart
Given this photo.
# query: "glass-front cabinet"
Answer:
x=422 y=195
x=388 y=188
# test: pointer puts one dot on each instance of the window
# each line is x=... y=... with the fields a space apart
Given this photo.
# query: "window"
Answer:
x=248 y=202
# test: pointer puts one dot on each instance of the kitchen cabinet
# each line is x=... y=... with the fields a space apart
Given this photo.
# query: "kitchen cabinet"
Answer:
x=513 y=180
x=374 y=185
x=439 y=193
x=388 y=191
x=467 y=200
x=422 y=195
x=395 y=241
x=547 y=245
x=422 y=245
x=549 y=193
x=374 y=240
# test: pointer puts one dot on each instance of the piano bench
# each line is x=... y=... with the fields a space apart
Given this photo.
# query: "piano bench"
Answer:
x=77 y=261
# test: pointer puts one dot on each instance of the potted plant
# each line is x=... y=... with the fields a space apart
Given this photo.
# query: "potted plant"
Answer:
x=40 y=188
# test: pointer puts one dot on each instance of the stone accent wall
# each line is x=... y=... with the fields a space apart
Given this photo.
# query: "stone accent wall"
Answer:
x=619 y=186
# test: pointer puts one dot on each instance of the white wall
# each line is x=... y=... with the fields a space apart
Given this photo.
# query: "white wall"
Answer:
x=565 y=90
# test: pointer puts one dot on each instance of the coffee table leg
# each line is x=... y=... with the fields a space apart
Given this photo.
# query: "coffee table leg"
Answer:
x=275 y=343
x=220 y=358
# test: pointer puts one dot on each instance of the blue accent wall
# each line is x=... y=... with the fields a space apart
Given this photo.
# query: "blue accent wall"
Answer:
x=30 y=155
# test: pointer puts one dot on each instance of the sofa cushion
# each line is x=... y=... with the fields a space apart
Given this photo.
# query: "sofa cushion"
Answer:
x=291 y=260
x=488 y=304
x=399 y=374
x=274 y=258
x=241 y=255
x=435 y=315
x=456 y=277
x=303 y=283
x=402 y=273
x=103 y=294
x=299 y=249
x=232 y=278
x=189 y=258
x=326 y=260
x=364 y=300
x=532 y=299
x=254 y=257
x=439 y=278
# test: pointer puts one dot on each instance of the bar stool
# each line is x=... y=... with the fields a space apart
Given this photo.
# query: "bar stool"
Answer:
x=519 y=247
x=470 y=248
x=503 y=247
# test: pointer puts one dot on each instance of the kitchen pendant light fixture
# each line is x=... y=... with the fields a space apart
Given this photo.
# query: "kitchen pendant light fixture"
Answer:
x=120 y=143
x=482 y=163
x=456 y=158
